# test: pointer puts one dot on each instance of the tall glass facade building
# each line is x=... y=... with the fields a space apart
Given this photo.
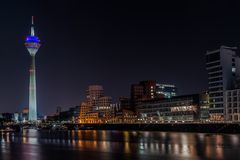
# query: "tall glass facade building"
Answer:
x=166 y=90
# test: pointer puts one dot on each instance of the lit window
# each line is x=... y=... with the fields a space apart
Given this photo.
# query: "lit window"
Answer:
x=233 y=70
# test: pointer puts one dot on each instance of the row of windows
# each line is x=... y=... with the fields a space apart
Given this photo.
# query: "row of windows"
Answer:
x=215 y=84
x=155 y=109
x=215 y=79
x=216 y=106
x=229 y=105
x=233 y=118
x=214 y=69
x=215 y=74
x=216 y=94
x=215 y=89
x=234 y=93
x=233 y=111
x=213 y=57
x=164 y=106
x=216 y=100
x=233 y=99
x=213 y=64
x=216 y=111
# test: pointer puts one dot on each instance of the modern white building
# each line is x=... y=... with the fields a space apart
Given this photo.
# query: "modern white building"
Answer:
x=232 y=104
x=223 y=66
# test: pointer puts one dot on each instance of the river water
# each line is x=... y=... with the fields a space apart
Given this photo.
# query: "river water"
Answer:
x=113 y=145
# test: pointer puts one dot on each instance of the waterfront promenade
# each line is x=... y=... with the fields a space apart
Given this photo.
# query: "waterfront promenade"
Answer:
x=166 y=127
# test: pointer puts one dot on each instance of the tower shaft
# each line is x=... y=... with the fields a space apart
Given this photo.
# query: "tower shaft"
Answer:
x=32 y=92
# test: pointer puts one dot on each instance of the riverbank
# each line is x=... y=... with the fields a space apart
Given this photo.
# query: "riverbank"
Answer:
x=179 y=127
x=232 y=128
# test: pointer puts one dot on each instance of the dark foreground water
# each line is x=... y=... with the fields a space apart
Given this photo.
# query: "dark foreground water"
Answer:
x=113 y=145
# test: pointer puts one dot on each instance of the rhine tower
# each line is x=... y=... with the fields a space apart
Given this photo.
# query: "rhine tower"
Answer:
x=32 y=44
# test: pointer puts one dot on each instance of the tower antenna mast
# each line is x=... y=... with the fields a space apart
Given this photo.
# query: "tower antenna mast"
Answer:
x=32 y=27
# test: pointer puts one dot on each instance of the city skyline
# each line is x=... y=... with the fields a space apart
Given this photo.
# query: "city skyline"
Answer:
x=109 y=45
x=119 y=79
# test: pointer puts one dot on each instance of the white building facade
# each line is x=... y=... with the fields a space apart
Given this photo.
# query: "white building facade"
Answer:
x=232 y=105
x=223 y=66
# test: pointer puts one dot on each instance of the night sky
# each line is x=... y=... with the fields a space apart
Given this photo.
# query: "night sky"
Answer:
x=113 y=44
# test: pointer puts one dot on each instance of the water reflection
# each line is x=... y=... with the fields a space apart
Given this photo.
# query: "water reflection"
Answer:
x=86 y=144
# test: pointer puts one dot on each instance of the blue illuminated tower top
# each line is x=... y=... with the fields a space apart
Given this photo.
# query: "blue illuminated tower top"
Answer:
x=32 y=42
